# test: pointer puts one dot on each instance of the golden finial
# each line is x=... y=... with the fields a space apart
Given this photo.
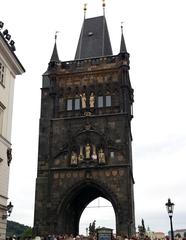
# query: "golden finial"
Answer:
x=85 y=9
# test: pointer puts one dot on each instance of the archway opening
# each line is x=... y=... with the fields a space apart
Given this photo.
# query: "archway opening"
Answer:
x=100 y=210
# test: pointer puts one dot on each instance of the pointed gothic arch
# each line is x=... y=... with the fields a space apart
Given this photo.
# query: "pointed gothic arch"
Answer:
x=75 y=201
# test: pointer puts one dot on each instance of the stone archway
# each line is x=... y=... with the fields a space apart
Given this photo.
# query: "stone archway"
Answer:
x=76 y=200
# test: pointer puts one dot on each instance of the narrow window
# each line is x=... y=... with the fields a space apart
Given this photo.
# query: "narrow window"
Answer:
x=1 y=120
x=77 y=103
x=108 y=101
x=100 y=101
x=60 y=104
x=2 y=73
x=112 y=155
x=69 y=104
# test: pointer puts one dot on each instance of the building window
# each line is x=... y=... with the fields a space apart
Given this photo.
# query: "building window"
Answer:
x=77 y=104
x=60 y=104
x=1 y=119
x=2 y=73
x=112 y=155
x=100 y=101
x=69 y=104
x=108 y=101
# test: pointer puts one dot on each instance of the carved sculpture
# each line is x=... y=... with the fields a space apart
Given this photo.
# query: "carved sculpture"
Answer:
x=83 y=100
x=101 y=156
x=92 y=100
x=74 y=158
x=87 y=151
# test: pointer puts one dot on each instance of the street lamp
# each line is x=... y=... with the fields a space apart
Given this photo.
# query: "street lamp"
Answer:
x=9 y=208
x=170 y=207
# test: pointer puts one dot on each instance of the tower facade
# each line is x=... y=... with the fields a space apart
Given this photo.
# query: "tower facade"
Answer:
x=85 y=135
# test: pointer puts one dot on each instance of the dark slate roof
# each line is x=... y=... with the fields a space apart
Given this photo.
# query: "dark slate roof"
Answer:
x=54 y=57
x=123 y=46
x=94 y=40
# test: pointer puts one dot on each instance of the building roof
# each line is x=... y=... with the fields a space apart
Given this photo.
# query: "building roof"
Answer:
x=11 y=54
x=123 y=46
x=94 y=40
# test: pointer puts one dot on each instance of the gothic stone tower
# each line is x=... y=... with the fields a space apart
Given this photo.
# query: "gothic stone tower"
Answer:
x=85 y=135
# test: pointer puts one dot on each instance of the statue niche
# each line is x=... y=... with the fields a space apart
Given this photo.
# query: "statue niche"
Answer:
x=74 y=158
x=88 y=148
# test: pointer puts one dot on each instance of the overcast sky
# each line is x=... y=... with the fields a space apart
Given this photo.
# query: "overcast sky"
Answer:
x=155 y=35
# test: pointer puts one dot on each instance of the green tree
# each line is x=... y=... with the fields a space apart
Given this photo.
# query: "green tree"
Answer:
x=27 y=233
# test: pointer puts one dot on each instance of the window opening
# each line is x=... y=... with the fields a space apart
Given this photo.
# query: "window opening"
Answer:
x=1 y=120
x=2 y=73
x=69 y=104
x=77 y=103
x=100 y=101
x=108 y=101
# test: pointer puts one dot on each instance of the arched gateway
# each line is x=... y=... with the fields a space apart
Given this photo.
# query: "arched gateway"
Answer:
x=85 y=135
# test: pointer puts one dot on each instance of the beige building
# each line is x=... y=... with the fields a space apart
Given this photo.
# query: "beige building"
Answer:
x=10 y=66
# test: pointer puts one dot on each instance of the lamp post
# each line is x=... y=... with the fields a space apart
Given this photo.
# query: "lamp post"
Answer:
x=9 y=208
x=170 y=207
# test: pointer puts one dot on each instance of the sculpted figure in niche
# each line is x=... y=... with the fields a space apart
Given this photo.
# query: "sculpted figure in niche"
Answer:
x=80 y=157
x=92 y=100
x=83 y=100
x=94 y=155
x=73 y=158
x=101 y=156
x=87 y=151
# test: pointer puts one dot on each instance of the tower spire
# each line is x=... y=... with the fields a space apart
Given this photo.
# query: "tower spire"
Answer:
x=122 y=45
x=55 y=57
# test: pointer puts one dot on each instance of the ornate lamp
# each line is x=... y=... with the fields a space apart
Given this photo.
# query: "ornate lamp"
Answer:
x=170 y=207
x=9 y=208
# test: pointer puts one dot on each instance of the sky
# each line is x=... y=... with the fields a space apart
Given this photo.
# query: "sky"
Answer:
x=155 y=36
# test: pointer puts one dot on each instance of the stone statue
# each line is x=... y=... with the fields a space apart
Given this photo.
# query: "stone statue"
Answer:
x=83 y=100
x=92 y=100
x=101 y=156
x=73 y=158
x=80 y=157
x=87 y=151
x=94 y=155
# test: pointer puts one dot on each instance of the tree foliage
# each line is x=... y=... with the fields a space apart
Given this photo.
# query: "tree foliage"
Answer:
x=17 y=229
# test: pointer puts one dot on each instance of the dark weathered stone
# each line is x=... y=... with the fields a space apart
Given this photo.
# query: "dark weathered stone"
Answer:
x=66 y=185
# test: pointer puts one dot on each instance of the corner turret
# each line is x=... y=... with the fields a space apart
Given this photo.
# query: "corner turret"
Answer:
x=55 y=57
x=122 y=45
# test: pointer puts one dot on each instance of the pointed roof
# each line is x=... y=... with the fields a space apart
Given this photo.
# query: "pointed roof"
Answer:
x=122 y=46
x=54 y=57
x=94 y=40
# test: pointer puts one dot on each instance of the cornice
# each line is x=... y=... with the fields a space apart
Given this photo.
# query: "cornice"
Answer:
x=10 y=57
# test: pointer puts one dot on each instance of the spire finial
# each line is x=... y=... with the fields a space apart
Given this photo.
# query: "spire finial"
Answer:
x=103 y=7
x=56 y=35
x=85 y=10
x=121 y=27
